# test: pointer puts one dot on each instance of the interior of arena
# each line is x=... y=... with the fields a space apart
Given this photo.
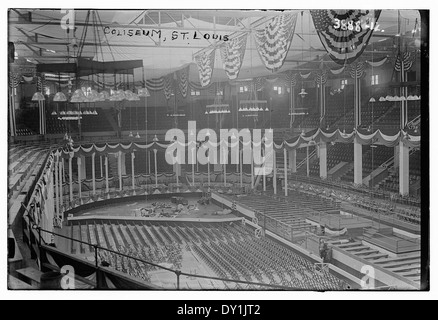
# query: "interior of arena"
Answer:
x=216 y=149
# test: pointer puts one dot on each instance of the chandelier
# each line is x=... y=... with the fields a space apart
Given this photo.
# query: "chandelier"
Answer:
x=252 y=106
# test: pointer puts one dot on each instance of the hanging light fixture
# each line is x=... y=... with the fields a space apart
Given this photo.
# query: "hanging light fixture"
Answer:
x=78 y=96
x=303 y=92
x=372 y=99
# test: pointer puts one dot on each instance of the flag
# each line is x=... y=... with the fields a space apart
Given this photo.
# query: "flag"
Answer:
x=408 y=59
x=205 y=62
x=183 y=80
x=232 y=54
x=345 y=33
x=274 y=40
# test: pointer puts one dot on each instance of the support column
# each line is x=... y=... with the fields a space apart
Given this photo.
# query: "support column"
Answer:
x=80 y=176
x=274 y=179
x=241 y=167
x=70 y=174
x=404 y=169
x=83 y=168
x=101 y=167
x=396 y=156
x=149 y=162
x=252 y=171
x=123 y=163
x=293 y=160
x=93 y=171
x=133 y=170
x=323 y=160
x=119 y=169
x=285 y=172
x=208 y=172
x=357 y=162
x=155 y=164
x=264 y=173
x=106 y=174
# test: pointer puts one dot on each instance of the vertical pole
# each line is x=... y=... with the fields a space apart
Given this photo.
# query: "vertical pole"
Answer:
x=357 y=162
x=106 y=174
x=119 y=169
x=264 y=173
x=285 y=171
x=70 y=174
x=323 y=160
x=101 y=167
x=225 y=169
x=133 y=170
x=274 y=180
x=193 y=167
x=241 y=168
x=149 y=162
x=79 y=177
x=93 y=171
x=252 y=171
x=208 y=171
x=155 y=164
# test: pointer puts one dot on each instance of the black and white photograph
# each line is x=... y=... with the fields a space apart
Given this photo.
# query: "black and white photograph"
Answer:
x=217 y=149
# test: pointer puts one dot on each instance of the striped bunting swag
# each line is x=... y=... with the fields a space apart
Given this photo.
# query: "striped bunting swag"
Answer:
x=344 y=46
x=232 y=54
x=274 y=40
x=259 y=83
x=155 y=84
x=321 y=77
x=183 y=80
x=408 y=59
x=198 y=86
x=14 y=79
x=291 y=79
x=168 y=86
x=357 y=70
x=205 y=62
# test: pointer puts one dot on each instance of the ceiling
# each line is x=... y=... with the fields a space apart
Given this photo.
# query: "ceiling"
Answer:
x=39 y=37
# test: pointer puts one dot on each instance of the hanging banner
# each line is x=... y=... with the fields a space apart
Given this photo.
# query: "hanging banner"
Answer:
x=337 y=71
x=379 y=63
x=205 y=62
x=407 y=58
x=168 y=86
x=291 y=78
x=232 y=54
x=155 y=84
x=183 y=80
x=306 y=75
x=14 y=79
x=357 y=70
x=274 y=40
x=321 y=77
x=345 y=33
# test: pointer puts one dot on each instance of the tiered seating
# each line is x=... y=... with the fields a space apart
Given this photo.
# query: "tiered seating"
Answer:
x=339 y=152
x=371 y=112
x=372 y=158
x=286 y=212
x=391 y=119
x=96 y=123
x=391 y=183
x=230 y=250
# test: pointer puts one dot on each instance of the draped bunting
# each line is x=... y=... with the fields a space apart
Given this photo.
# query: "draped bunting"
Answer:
x=259 y=83
x=306 y=75
x=377 y=137
x=357 y=70
x=205 y=62
x=379 y=63
x=183 y=80
x=321 y=77
x=232 y=54
x=291 y=78
x=274 y=40
x=14 y=79
x=407 y=58
x=168 y=86
x=344 y=46
x=198 y=86
x=155 y=84
x=337 y=71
